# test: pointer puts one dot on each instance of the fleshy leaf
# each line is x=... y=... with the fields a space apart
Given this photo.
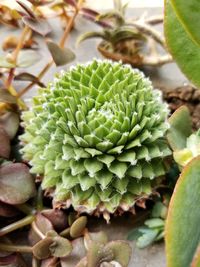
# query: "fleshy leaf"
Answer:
x=16 y=183
x=10 y=122
x=61 y=56
x=183 y=221
x=121 y=251
x=176 y=35
x=4 y=143
x=187 y=12
x=40 y=26
x=27 y=58
x=180 y=128
x=6 y=97
x=78 y=227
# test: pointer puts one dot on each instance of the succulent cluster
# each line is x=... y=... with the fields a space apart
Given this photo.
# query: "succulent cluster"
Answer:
x=97 y=136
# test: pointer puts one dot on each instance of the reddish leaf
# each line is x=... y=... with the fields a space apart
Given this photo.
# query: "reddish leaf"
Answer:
x=40 y=26
x=26 y=8
x=16 y=183
x=12 y=260
x=10 y=122
x=7 y=210
x=43 y=223
x=4 y=143
x=57 y=217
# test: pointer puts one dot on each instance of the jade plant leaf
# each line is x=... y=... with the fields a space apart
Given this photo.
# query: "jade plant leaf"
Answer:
x=38 y=25
x=78 y=227
x=61 y=56
x=6 y=97
x=16 y=183
x=182 y=226
x=5 y=143
x=10 y=122
x=180 y=128
x=184 y=50
x=188 y=12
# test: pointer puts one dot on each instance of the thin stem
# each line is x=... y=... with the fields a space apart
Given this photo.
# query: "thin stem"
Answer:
x=61 y=44
x=25 y=208
x=20 y=43
x=37 y=230
x=14 y=248
x=39 y=199
x=10 y=78
x=35 y=262
x=16 y=225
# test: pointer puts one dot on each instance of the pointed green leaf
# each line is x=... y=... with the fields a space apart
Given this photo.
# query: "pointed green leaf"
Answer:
x=118 y=168
x=92 y=166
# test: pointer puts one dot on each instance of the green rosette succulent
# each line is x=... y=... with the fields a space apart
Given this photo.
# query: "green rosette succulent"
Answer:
x=96 y=136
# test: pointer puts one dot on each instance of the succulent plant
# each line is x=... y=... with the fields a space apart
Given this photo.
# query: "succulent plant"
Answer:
x=96 y=136
x=184 y=142
x=133 y=41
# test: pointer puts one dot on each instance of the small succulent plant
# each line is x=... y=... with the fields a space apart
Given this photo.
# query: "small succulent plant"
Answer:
x=97 y=136
x=153 y=228
x=184 y=142
x=192 y=149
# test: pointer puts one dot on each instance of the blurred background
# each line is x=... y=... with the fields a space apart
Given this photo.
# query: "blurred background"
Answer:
x=101 y=4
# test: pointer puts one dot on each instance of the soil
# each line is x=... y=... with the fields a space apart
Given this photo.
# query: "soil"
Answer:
x=185 y=95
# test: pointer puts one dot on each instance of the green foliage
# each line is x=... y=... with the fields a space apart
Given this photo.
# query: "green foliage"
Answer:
x=153 y=229
x=188 y=12
x=182 y=36
x=97 y=135
x=182 y=227
x=185 y=144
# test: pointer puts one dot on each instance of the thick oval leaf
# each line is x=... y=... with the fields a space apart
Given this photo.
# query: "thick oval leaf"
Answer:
x=4 y=144
x=183 y=49
x=57 y=217
x=61 y=247
x=180 y=128
x=121 y=251
x=182 y=226
x=61 y=56
x=27 y=58
x=43 y=223
x=41 y=249
x=77 y=254
x=40 y=26
x=6 y=97
x=188 y=13
x=10 y=122
x=78 y=227
x=5 y=64
x=16 y=183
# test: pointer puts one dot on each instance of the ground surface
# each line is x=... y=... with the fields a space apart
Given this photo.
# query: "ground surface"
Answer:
x=168 y=76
